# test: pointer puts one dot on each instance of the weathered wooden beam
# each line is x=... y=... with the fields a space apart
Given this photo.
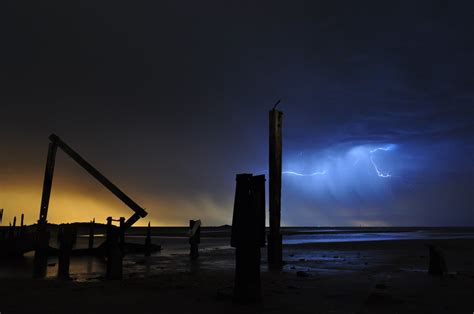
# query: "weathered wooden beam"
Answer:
x=99 y=176
x=275 y=160
x=47 y=184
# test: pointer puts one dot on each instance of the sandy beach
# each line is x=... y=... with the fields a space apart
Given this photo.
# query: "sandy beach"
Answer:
x=342 y=277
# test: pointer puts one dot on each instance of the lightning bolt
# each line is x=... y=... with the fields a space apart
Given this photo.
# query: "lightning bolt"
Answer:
x=317 y=173
x=379 y=148
x=380 y=173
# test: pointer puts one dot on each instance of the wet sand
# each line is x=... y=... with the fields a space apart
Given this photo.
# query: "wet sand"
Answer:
x=350 y=277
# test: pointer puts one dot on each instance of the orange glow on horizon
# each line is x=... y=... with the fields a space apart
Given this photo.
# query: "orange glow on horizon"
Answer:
x=71 y=206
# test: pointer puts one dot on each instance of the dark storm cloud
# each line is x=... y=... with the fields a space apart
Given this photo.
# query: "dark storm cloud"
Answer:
x=178 y=92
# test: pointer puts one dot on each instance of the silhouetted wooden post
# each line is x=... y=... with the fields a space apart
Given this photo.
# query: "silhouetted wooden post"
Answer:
x=437 y=265
x=122 y=234
x=22 y=226
x=13 y=228
x=148 y=241
x=248 y=236
x=42 y=234
x=194 y=238
x=67 y=239
x=113 y=252
x=91 y=234
x=275 y=261
x=1 y=215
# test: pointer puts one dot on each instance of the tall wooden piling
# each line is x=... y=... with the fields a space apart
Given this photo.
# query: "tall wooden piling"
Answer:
x=275 y=160
x=1 y=215
x=42 y=234
x=248 y=236
x=91 y=234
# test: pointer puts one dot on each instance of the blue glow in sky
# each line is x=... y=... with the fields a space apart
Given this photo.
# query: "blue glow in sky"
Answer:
x=370 y=184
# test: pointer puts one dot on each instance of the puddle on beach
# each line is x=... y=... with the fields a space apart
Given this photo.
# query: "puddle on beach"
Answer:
x=215 y=255
x=174 y=256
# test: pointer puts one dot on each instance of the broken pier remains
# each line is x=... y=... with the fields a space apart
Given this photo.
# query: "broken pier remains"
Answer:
x=42 y=236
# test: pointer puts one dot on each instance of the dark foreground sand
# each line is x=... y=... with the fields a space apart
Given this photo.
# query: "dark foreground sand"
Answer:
x=362 y=277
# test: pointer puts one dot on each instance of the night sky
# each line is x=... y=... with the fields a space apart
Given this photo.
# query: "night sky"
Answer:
x=170 y=100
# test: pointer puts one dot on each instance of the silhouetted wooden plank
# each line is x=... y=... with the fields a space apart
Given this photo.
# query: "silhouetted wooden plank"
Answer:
x=99 y=176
